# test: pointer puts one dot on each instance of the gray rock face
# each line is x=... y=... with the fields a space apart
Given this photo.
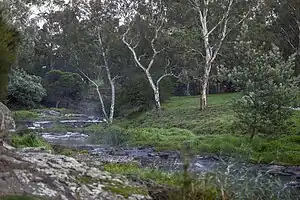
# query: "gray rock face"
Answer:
x=60 y=177
x=6 y=120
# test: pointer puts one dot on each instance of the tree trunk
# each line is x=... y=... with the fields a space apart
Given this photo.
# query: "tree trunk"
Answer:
x=111 y=81
x=157 y=99
x=155 y=91
x=57 y=104
x=112 y=104
x=297 y=64
x=102 y=103
x=187 y=91
x=113 y=93
x=204 y=85
x=2 y=127
x=203 y=95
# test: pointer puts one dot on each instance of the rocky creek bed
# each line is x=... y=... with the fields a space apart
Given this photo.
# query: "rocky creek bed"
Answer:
x=286 y=177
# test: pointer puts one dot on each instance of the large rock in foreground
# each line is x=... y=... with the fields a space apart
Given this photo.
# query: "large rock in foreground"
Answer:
x=6 y=120
x=60 y=177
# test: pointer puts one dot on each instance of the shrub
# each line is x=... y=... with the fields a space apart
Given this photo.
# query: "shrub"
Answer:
x=24 y=90
x=111 y=135
x=63 y=86
x=136 y=95
x=269 y=88
x=24 y=115
x=28 y=140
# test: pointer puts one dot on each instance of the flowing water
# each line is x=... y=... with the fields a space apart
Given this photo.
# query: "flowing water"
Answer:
x=283 y=178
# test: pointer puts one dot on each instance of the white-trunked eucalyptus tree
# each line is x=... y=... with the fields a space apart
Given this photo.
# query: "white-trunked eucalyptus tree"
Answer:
x=90 y=49
x=215 y=20
x=151 y=14
x=102 y=26
x=107 y=66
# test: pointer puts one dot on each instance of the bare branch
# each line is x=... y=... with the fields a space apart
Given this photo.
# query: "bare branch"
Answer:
x=132 y=50
x=216 y=26
x=162 y=77
x=140 y=57
x=239 y=22
x=98 y=91
x=287 y=39
x=225 y=31
x=116 y=77
x=86 y=76
x=137 y=44
x=197 y=51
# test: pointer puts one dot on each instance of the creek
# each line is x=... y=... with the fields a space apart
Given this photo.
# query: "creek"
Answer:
x=280 y=179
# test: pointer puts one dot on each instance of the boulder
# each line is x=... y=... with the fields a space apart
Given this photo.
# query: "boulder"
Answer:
x=6 y=120
x=50 y=176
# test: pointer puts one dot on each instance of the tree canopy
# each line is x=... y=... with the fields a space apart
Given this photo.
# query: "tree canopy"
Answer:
x=9 y=38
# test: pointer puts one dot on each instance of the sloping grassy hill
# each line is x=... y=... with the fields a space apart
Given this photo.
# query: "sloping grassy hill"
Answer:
x=208 y=131
x=184 y=113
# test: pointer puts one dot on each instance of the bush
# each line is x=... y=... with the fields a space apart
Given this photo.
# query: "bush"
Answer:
x=63 y=86
x=111 y=135
x=24 y=90
x=136 y=95
x=269 y=88
x=25 y=115
x=28 y=140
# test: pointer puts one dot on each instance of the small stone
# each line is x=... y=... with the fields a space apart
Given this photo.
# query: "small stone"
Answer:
x=117 y=180
x=294 y=184
x=274 y=169
x=86 y=189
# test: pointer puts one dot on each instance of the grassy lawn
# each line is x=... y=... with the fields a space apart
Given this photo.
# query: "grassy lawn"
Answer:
x=208 y=131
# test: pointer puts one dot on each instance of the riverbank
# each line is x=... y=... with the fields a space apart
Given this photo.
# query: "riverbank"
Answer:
x=147 y=147
x=209 y=131
x=182 y=124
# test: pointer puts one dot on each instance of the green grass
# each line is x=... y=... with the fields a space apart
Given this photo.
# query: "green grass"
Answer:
x=28 y=140
x=125 y=190
x=25 y=115
x=209 y=131
x=147 y=174
x=178 y=185
x=67 y=151
x=183 y=112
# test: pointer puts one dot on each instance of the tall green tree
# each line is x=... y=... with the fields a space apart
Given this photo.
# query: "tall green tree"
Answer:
x=284 y=18
x=146 y=36
x=9 y=38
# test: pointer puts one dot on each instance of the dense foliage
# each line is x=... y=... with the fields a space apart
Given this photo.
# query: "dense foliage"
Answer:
x=25 y=90
x=63 y=87
x=8 y=49
x=136 y=96
x=269 y=90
